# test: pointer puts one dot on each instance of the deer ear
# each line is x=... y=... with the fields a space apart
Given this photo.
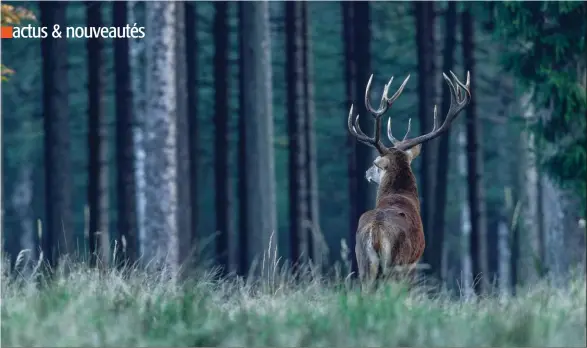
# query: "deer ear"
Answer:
x=414 y=152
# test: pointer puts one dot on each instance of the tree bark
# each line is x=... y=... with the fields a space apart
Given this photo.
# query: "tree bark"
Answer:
x=350 y=76
x=161 y=230
x=560 y=226
x=573 y=238
x=519 y=195
x=184 y=210
x=364 y=155
x=57 y=238
x=316 y=242
x=530 y=232
x=425 y=45
x=243 y=231
x=22 y=200
x=465 y=218
x=507 y=205
x=192 y=112
x=357 y=41
x=258 y=111
x=136 y=14
x=541 y=255
x=296 y=122
x=443 y=147
x=98 y=238
x=127 y=252
x=475 y=166
x=221 y=150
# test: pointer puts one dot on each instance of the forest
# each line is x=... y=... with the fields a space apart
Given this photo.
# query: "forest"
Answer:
x=213 y=157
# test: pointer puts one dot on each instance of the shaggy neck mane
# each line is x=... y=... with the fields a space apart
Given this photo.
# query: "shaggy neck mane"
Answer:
x=400 y=180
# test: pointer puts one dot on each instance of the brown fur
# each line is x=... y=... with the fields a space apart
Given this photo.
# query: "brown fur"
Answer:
x=391 y=234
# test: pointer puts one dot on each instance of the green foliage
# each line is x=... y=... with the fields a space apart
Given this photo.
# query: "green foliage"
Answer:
x=547 y=55
x=85 y=308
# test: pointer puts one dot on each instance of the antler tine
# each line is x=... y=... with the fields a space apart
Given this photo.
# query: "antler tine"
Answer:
x=457 y=104
x=435 y=119
x=354 y=128
x=408 y=130
x=382 y=104
x=389 y=134
x=356 y=131
x=393 y=140
x=390 y=102
x=398 y=92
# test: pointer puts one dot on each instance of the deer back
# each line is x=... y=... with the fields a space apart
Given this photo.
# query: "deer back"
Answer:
x=402 y=225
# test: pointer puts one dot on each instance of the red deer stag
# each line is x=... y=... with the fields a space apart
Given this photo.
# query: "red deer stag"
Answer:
x=392 y=234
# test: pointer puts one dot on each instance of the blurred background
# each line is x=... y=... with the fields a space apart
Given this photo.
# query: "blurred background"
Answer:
x=222 y=134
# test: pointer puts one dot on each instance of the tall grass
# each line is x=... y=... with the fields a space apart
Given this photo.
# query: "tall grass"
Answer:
x=86 y=307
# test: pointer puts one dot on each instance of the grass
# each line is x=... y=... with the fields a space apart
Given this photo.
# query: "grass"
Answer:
x=86 y=308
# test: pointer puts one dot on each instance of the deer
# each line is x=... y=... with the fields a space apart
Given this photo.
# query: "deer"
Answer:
x=391 y=235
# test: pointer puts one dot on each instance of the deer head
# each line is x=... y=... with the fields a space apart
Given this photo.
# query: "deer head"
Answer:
x=397 y=158
x=392 y=234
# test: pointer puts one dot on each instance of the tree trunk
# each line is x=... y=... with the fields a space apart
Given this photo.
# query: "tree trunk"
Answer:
x=503 y=180
x=357 y=38
x=519 y=196
x=192 y=112
x=258 y=112
x=491 y=243
x=560 y=225
x=136 y=14
x=126 y=189
x=57 y=238
x=316 y=242
x=475 y=166
x=22 y=200
x=350 y=75
x=161 y=230
x=243 y=232
x=530 y=232
x=221 y=150
x=573 y=238
x=504 y=250
x=541 y=257
x=425 y=45
x=443 y=147
x=98 y=237
x=184 y=210
x=296 y=119
x=364 y=155
x=466 y=257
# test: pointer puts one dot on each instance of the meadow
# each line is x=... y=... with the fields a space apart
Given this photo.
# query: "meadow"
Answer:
x=86 y=307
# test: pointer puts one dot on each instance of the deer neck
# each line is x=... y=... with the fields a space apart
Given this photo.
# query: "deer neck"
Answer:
x=401 y=181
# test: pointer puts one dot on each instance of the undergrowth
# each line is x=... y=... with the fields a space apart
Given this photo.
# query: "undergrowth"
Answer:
x=85 y=307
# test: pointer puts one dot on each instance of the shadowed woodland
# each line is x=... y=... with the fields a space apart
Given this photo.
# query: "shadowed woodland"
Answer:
x=222 y=134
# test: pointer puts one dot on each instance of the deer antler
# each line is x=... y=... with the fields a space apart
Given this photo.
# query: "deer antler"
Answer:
x=384 y=105
x=457 y=104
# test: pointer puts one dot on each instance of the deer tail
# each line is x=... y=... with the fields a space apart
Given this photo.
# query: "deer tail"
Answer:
x=386 y=256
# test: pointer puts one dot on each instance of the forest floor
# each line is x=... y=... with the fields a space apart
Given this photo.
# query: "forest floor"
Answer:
x=85 y=308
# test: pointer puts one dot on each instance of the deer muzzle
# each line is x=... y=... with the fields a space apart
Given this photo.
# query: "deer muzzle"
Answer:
x=373 y=174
